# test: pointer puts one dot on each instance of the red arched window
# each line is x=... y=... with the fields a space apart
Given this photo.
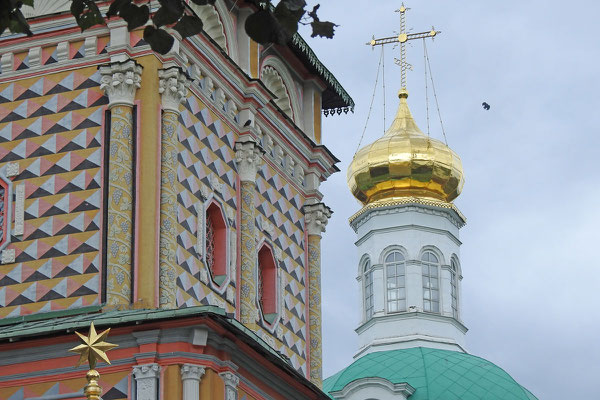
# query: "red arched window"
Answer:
x=267 y=283
x=216 y=243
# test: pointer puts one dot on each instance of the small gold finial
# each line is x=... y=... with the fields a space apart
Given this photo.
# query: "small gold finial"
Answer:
x=93 y=348
x=403 y=93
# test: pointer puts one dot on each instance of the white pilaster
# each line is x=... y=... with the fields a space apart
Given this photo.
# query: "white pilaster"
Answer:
x=146 y=381
x=231 y=381
x=190 y=378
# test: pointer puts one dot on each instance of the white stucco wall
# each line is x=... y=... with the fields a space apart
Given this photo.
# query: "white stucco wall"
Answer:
x=410 y=228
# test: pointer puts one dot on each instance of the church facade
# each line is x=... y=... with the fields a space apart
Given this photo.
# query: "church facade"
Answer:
x=172 y=198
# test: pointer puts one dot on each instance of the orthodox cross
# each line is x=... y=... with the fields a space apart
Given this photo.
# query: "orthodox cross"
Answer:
x=402 y=38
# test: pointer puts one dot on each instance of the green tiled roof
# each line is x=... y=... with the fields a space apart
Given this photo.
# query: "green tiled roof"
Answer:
x=435 y=374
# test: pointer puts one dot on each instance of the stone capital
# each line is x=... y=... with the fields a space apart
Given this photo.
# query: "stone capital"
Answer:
x=248 y=157
x=119 y=81
x=231 y=381
x=191 y=371
x=316 y=217
x=173 y=87
x=146 y=371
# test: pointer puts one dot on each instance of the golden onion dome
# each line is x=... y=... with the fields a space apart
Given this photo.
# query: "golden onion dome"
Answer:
x=405 y=163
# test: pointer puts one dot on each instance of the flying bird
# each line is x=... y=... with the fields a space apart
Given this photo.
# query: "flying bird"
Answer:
x=485 y=105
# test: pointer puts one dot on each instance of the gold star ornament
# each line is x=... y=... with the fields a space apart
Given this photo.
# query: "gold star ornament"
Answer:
x=93 y=347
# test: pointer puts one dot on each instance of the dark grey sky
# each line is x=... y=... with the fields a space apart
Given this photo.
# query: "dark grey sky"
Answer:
x=530 y=247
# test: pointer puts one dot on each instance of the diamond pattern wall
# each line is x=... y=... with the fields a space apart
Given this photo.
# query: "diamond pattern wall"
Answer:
x=51 y=127
x=115 y=386
x=206 y=153
x=280 y=204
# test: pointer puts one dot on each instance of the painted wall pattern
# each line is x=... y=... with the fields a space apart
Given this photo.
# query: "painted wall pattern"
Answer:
x=51 y=127
x=206 y=159
x=280 y=203
x=115 y=386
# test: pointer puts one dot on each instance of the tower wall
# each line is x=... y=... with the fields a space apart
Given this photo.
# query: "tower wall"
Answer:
x=410 y=229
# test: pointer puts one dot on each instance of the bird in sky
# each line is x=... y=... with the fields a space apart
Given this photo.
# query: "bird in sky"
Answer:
x=485 y=105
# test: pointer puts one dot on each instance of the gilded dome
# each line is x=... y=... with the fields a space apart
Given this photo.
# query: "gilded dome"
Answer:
x=405 y=163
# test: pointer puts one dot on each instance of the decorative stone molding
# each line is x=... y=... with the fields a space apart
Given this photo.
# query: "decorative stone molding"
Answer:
x=8 y=256
x=215 y=183
x=231 y=383
x=316 y=217
x=62 y=51
x=248 y=158
x=230 y=214
x=290 y=165
x=269 y=228
x=204 y=192
x=278 y=253
x=230 y=295
x=7 y=62
x=279 y=332
x=19 y=226
x=11 y=169
x=233 y=255
x=299 y=174
x=204 y=276
x=90 y=46
x=35 y=54
x=200 y=233
x=268 y=339
x=146 y=381
x=120 y=80
x=173 y=88
x=190 y=379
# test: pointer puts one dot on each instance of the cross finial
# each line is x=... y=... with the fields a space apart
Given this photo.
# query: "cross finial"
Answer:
x=402 y=38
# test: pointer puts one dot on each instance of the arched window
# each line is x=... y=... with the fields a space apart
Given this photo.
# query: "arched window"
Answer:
x=216 y=243
x=431 y=282
x=267 y=284
x=395 y=270
x=368 y=282
x=454 y=287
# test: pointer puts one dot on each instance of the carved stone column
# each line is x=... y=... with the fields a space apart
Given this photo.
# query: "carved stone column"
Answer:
x=231 y=383
x=190 y=378
x=146 y=381
x=248 y=158
x=120 y=82
x=316 y=217
x=173 y=86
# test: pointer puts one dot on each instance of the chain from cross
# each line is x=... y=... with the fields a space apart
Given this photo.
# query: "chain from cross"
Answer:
x=403 y=38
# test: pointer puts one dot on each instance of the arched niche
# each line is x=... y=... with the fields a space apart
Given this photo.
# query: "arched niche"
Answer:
x=218 y=24
x=274 y=74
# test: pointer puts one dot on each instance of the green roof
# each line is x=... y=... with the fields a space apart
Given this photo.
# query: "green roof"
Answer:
x=335 y=98
x=435 y=374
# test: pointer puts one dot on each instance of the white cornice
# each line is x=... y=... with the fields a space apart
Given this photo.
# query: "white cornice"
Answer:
x=421 y=228
x=433 y=207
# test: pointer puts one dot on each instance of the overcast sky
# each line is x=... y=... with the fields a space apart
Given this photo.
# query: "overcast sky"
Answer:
x=530 y=247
